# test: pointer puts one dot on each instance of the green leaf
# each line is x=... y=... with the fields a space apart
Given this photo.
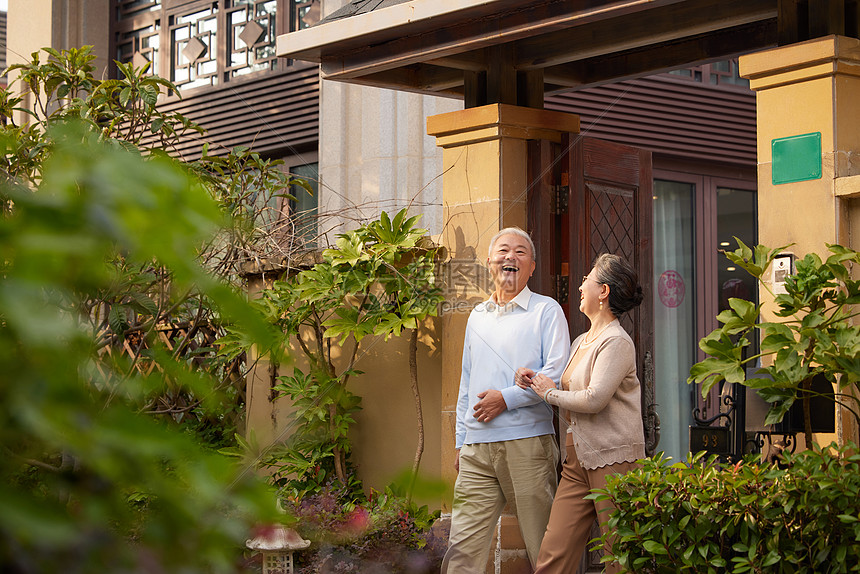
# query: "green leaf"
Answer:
x=116 y=320
x=746 y=310
x=777 y=412
x=776 y=336
x=654 y=547
x=712 y=370
x=142 y=303
x=156 y=125
x=125 y=96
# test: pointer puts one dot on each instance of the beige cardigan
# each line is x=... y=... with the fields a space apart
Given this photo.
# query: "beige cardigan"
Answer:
x=603 y=400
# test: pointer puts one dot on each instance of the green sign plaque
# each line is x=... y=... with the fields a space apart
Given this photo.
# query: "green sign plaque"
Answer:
x=796 y=158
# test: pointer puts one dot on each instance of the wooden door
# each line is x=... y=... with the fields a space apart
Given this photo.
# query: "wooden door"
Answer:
x=591 y=196
x=610 y=212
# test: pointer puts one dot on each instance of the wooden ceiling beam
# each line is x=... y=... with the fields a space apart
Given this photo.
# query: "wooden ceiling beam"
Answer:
x=421 y=78
x=826 y=17
x=345 y=61
x=801 y=20
x=671 y=56
x=663 y=24
x=395 y=82
x=475 y=61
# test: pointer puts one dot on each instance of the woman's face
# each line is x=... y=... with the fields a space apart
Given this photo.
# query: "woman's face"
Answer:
x=590 y=292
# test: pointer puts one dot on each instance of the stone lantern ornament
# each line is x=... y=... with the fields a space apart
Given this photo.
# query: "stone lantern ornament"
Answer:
x=277 y=543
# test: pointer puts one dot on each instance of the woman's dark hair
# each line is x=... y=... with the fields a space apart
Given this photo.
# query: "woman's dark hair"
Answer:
x=624 y=289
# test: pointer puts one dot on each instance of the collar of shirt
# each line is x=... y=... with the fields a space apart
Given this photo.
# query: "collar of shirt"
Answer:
x=521 y=300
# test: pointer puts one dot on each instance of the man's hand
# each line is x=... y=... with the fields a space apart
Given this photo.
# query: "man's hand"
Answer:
x=457 y=460
x=491 y=405
x=523 y=377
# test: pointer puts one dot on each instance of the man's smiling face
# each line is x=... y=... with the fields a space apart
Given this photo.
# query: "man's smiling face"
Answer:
x=511 y=263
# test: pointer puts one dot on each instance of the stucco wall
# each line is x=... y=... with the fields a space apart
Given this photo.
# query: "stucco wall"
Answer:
x=806 y=88
x=385 y=435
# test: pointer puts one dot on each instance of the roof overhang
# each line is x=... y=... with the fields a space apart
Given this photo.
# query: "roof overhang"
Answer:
x=432 y=46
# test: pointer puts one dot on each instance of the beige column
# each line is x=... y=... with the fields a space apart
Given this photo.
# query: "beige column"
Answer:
x=484 y=189
x=808 y=88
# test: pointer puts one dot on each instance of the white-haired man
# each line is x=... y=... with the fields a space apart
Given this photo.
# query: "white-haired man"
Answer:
x=505 y=440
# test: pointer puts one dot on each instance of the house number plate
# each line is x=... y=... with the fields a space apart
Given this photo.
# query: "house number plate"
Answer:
x=713 y=440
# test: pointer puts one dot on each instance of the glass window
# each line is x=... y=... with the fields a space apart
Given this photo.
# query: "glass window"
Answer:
x=674 y=310
x=304 y=208
x=722 y=73
x=183 y=39
x=306 y=13
x=194 y=47
x=736 y=217
x=694 y=217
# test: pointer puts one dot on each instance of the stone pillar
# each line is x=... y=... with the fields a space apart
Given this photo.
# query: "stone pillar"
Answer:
x=808 y=131
x=484 y=189
x=374 y=155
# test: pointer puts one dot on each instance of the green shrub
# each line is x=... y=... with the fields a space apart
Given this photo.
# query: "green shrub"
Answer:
x=88 y=481
x=700 y=516
x=811 y=334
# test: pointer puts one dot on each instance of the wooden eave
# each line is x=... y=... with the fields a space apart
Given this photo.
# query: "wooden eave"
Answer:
x=433 y=46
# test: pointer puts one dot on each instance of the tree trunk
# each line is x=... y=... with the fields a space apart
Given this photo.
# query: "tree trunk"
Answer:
x=339 y=459
x=419 y=416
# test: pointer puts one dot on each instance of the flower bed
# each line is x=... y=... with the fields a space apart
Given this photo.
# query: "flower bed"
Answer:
x=384 y=534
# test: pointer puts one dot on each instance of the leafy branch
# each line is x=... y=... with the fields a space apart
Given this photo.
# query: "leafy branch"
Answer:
x=815 y=336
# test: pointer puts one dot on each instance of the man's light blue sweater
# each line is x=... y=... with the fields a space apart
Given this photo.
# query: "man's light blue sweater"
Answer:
x=530 y=331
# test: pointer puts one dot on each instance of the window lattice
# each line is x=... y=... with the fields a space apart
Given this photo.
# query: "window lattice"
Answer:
x=196 y=43
x=613 y=222
x=251 y=36
x=139 y=47
x=194 y=48
x=128 y=9
x=305 y=13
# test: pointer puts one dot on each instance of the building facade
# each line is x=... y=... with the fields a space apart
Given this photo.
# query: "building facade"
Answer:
x=366 y=149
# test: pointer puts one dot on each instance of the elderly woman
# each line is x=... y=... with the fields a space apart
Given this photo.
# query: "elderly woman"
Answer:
x=599 y=408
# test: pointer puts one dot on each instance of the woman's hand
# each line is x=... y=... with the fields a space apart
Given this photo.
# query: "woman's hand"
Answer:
x=523 y=377
x=541 y=384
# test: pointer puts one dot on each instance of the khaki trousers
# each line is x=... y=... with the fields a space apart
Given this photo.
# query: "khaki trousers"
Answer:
x=520 y=473
x=569 y=527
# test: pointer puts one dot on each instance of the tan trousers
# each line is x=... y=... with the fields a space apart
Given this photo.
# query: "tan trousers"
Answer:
x=569 y=527
x=520 y=473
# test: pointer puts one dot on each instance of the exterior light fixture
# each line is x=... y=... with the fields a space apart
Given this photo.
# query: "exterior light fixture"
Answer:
x=277 y=543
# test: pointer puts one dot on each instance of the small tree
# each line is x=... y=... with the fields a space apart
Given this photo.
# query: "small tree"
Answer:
x=142 y=312
x=104 y=242
x=377 y=280
x=815 y=336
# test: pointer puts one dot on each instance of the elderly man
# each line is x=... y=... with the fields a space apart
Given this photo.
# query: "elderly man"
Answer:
x=506 y=448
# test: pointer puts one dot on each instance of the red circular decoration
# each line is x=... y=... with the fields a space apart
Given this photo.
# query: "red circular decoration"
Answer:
x=671 y=288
